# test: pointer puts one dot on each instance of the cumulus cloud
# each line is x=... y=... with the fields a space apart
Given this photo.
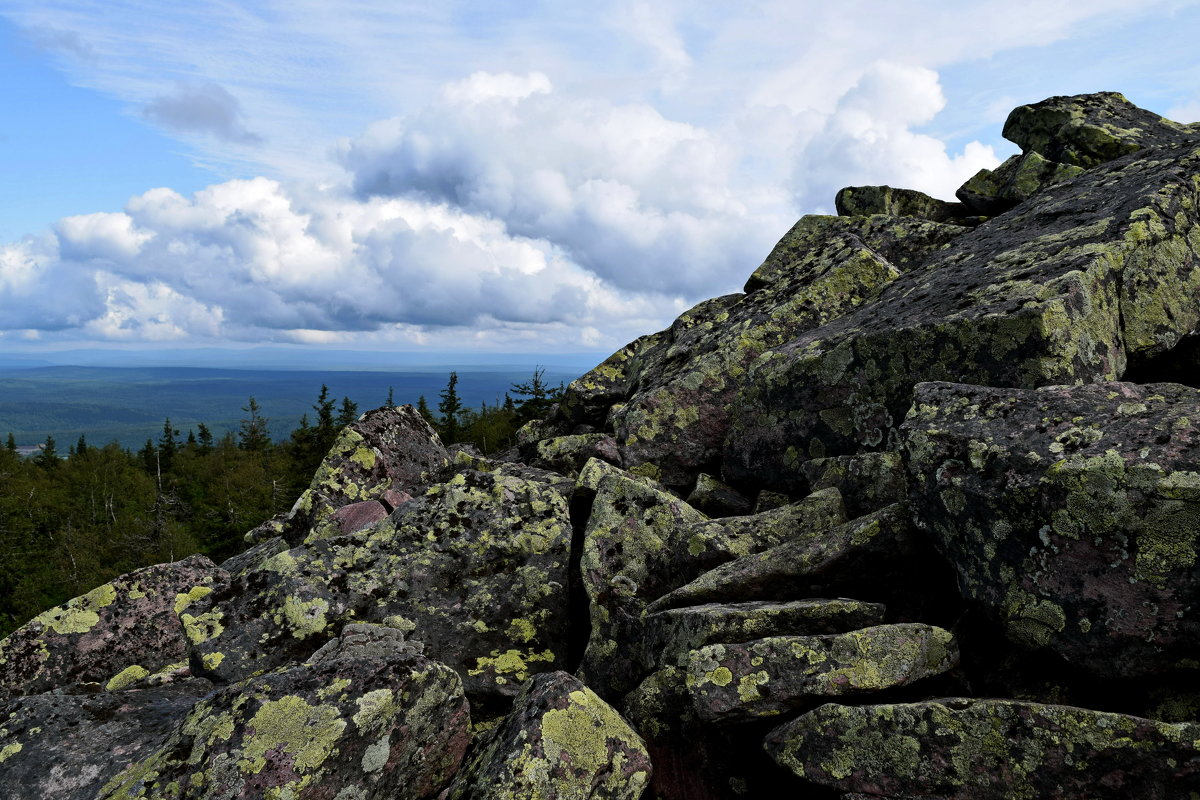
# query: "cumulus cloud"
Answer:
x=206 y=108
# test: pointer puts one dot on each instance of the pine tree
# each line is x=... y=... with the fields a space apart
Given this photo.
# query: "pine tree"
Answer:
x=450 y=407
x=253 y=433
x=539 y=397
x=347 y=414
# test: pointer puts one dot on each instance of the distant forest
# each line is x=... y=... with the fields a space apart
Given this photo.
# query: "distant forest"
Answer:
x=71 y=521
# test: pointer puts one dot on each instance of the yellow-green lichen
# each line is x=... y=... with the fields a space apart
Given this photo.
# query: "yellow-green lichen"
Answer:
x=290 y=725
x=126 y=677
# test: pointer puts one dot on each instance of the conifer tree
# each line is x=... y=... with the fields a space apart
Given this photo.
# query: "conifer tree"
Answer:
x=204 y=438
x=47 y=457
x=347 y=414
x=423 y=410
x=12 y=443
x=253 y=434
x=391 y=398
x=450 y=408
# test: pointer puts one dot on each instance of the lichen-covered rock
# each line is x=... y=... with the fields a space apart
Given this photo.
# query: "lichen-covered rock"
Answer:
x=1071 y=513
x=1081 y=280
x=62 y=746
x=569 y=454
x=360 y=720
x=641 y=543
x=867 y=481
x=671 y=635
x=475 y=568
x=389 y=448
x=130 y=622
x=560 y=742
x=717 y=499
x=254 y=555
x=861 y=201
x=813 y=562
x=992 y=192
x=1090 y=129
x=965 y=749
x=766 y=677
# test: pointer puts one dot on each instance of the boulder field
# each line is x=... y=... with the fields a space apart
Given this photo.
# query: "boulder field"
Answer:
x=916 y=516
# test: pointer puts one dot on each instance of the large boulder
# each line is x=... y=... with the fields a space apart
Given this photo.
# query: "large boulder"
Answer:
x=641 y=543
x=475 y=569
x=364 y=718
x=390 y=449
x=1071 y=513
x=865 y=200
x=559 y=742
x=129 y=626
x=965 y=749
x=1078 y=282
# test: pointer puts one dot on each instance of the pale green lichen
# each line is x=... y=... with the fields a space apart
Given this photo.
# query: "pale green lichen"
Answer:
x=290 y=725
x=125 y=677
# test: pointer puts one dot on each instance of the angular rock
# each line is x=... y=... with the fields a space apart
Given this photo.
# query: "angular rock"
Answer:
x=671 y=635
x=767 y=677
x=560 y=742
x=1080 y=280
x=865 y=200
x=717 y=499
x=1071 y=513
x=991 y=192
x=1090 y=129
x=254 y=555
x=641 y=543
x=67 y=746
x=130 y=622
x=852 y=554
x=390 y=448
x=357 y=516
x=966 y=749
x=867 y=481
x=569 y=454
x=475 y=568
x=362 y=720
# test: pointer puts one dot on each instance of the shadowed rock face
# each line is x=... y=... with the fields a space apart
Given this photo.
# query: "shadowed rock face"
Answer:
x=934 y=449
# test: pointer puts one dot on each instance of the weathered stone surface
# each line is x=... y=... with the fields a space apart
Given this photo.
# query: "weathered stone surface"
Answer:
x=861 y=201
x=476 y=569
x=992 y=192
x=717 y=499
x=809 y=564
x=965 y=749
x=1076 y=282
x=671 y=635
x=360 y=720
x=569 y=454
x=766 y=677
x=67 y=746
x=390 y=448
x=560 y=742
x=867 y=481
x=1090 y=129
x=1071 y=513
x=641 y=543
x=357 y=516
x=254 y=555
x=130 y=622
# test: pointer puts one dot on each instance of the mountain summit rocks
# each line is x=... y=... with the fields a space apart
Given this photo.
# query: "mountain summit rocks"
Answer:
x=916 y=515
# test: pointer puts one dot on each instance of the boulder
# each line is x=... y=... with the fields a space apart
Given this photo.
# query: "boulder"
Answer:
x=67 y=746
x=391 y=448
x=991 y=192
x=364 y=718
x=865 y=200
x=966 y=749
x=641 y=543
x=130 y=624
x=1079 y=281
x=475 y=568
x=559 y=742
x=569 y=454
x=867 y=481
x=1072 y=514
x=1089 y=129
x=671 y=635
x=717 y=499
x=767 y=677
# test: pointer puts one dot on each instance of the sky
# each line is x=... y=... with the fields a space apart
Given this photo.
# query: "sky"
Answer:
x=491 y=176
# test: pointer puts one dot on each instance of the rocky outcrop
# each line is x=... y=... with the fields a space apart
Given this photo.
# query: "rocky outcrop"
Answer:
x=935 y=450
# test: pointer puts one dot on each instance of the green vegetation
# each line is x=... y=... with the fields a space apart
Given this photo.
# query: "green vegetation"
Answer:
x=68 y=524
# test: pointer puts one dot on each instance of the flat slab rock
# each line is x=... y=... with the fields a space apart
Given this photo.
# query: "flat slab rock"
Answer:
x=130 y=623
x=671 y=635
x=362 y=718
x=560 y=742
x=766 y=677
x=1071 y=513
x=967 y=749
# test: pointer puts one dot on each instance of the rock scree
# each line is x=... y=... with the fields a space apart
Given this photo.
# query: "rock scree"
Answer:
x=916 y=516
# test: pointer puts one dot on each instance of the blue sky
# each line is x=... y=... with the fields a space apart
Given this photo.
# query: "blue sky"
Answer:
x=490 y=175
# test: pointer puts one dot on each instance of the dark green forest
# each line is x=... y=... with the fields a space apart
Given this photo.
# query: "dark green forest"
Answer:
x=72 y=520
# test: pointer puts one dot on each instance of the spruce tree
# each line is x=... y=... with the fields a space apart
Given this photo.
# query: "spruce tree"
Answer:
x=204 y=438
x=450 y=407
x=347 y=414
x=423 y=410
x=47 y=457
x=12 y=443
x=253 y=434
